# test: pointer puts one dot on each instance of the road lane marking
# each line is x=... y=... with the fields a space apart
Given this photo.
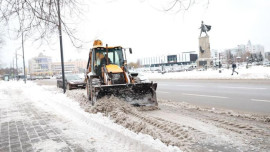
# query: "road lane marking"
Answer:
x=244 y=88
x=189 y=85
x=162 y=84
x=162 y=92
x=201 y=95
x=260 y=100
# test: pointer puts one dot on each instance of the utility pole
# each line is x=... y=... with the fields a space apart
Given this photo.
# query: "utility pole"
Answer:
x=219 y=60
x=23 y=59
x=61 y=46
x=16 y=65
x=13 y=69
x=10 y=73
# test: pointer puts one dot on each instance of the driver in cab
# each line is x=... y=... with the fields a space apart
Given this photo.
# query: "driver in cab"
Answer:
x=101 y=60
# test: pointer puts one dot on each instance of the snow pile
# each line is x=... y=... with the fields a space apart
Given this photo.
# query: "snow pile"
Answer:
x=63 y=106
x=49 y=146
x=255 y=72
x=130 y=117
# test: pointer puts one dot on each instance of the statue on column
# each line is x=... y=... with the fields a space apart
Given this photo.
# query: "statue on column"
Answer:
x=204 y=28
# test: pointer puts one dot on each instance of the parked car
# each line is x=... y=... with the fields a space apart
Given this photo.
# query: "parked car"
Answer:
x=190 y=68
x=142 y=79
x=46 y=77
x=29 y=77
x=266 y=64
x=39 y=78
x=59 y=76
x=5 y=77
x=72 y=81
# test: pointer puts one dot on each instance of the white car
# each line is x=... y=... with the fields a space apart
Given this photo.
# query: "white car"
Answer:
x=143 y=78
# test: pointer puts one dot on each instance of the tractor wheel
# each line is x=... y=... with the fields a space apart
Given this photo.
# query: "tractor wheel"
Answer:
x=88 y=86
x=90 y=92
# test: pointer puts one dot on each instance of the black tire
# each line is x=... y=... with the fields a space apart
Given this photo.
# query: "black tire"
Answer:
x=88 y=85
x=91 y=94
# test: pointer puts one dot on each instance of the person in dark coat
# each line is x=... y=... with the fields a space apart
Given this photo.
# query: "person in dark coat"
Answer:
x=101 y=61
x=233 y=68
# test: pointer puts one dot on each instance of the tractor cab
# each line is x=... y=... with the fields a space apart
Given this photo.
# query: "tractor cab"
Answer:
x=108 y=57
x=109 y=60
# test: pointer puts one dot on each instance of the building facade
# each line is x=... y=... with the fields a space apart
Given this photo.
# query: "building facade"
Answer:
x=40 y=65
x=77 y=66
x=43 y=65
x=184 y=58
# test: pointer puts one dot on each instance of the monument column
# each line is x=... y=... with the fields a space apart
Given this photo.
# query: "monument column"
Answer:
x=204 y=58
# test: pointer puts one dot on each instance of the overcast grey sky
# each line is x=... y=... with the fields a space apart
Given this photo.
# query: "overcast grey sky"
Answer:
x=150 y=31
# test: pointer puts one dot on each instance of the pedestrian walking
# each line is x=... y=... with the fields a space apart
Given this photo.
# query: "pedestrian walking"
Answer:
x=233 y=68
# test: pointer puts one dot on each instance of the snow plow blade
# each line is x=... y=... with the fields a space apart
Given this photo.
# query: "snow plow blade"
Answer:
x=141 y=94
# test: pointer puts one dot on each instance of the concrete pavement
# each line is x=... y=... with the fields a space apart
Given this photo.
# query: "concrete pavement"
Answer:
x=23 y=127
x=243 y=95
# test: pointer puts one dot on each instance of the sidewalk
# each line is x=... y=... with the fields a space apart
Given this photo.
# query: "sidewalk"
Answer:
x=256 y=72
x=26 y=128
x=40 y=118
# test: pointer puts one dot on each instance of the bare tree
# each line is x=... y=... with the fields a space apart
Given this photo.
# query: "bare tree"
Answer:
x=1 y=42
x=1 y=45
x=39 y=18
x=184 y=5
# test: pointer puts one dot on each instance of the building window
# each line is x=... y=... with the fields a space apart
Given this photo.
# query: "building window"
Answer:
x=172 y=58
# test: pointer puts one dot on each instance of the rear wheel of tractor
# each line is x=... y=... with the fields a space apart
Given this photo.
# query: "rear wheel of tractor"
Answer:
x=88 y=85
x=92 y=94
x=93 y=99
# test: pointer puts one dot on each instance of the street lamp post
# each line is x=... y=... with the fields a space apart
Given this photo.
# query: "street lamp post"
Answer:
x=23 y=59
x=247 y=63
x=17 y=72
x=61 y=46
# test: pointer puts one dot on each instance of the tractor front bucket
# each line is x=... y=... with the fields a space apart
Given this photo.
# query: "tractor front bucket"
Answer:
x=141 y=94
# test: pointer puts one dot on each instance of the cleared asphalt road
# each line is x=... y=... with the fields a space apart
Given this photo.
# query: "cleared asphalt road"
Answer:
x=243 y=95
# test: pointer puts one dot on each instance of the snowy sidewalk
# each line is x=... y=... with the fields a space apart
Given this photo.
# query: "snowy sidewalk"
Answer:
x=25 y=128
x=256 y=72
x=35 y=119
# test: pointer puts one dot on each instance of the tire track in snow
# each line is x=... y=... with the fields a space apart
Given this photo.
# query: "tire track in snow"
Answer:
x=254 y=134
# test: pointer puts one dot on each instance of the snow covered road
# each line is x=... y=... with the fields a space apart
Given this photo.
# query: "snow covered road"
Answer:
x=36 y=119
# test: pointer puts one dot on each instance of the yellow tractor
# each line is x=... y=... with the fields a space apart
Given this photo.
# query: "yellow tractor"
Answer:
x=107 y=74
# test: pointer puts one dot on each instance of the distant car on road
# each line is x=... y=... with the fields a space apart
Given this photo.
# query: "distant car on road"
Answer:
x=72 y=81
x=39 y=78
x=59 y=76
x=46 y=77
x=266 y=64
x=31 y=77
